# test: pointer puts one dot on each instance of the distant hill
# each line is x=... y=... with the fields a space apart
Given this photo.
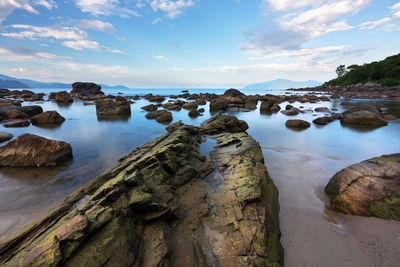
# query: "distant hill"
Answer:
x=385 y=72
x=15 y=83
x=282 y=84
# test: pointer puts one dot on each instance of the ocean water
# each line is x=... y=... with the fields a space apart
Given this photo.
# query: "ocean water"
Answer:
x=300 y=163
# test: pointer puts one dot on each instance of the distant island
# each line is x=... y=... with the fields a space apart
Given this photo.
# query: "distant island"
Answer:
x=283 y=84
x=385 y=73
x=15 y=83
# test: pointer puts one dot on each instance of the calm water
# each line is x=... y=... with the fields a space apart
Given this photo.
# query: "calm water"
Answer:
x=300 y=163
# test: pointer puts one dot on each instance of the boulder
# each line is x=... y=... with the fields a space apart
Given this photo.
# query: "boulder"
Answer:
x=150 y=107
x=291 y=112
x=219 y=104
x=269 y=107
x=161 y=116
x=234 y=93
x=5 y=137
x=223 y=123
x=174 y=107
x=297 y=124
x=48 y=117
x=61 y=97
x=154 y=98
x=323 y=120
x=80 y=89
x=201 y=101
x=29 y=110
x=322 y=109
x=15 y=114
x=363 y=116
x=17 y=123
x=194 y=113
x=250 y=106
x=368 y=188
x=112 y=107
x=190 y=105
x=32 y=150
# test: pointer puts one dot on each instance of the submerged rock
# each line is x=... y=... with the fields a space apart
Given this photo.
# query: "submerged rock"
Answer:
x=48 y=117
x=223 y=123
x=32 y=150
x=152 y=210
x=368 y=188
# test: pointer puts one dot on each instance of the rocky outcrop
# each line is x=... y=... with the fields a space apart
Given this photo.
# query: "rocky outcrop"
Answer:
x=29 y=110
x=82 y=90
x=299 y=124
x=157 y=208
x=112 y=107
x=48 y=117
x=368 y=188
x=223 y=123
x=367 y=115
x=32 y=150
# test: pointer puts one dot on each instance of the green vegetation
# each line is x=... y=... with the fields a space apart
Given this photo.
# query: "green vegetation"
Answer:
x=385 y=72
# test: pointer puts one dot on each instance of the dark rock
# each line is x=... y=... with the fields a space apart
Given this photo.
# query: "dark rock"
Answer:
x=190 y=105
x=161 y=116
x=180 y=126
x=288 y=107
x=61 y=97
x=322 y=109
x=174 y=107
x=112 y=107
x=219 y=104
x=48 y=117
x=291 y=112
x=297 y=124
x=33 y=150
x=29 y=110
x=154 y=98
x=223 y=123
x=17 y=123
x=364 y=115
x=5 y=137
x=368 y=188
x=150 y=107
x=194 y=113
x=250 y=106
x=80 y=89
x=269 y=107
x=323 y=120
x=15 y=114
x=234 y=93
x=201 y=110
x=201 y=101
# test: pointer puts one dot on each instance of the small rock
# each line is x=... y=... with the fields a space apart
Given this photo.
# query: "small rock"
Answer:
x=323 y=120
x=297 y=124
x=17 y=123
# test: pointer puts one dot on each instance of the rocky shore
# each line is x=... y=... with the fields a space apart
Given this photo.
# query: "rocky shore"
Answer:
x=164 y=204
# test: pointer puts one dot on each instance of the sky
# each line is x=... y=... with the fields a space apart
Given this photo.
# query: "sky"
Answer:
x=192 y=43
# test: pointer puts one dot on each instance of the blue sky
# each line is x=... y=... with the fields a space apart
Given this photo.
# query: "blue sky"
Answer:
x=192 y=43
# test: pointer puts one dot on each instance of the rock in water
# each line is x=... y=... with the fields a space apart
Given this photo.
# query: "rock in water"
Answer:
x=367 y=115
x=29 y=110
x=152 y=210
x=5 y=137
x=32 y=150
x=150 y=107
x=80 y=89
x=112 y=107
x=48 y=117
x=17 y=123
x=297 y=124
x=368 y=188
x=161 y=116
x=223 y=123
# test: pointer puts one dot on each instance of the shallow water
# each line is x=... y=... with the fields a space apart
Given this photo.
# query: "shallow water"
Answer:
x=300 y=162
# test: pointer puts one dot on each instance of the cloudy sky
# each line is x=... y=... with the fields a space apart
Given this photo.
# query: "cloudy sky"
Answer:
x=192 y=43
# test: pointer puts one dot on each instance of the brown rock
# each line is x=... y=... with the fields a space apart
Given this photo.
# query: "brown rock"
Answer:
x=223 y=123
x=17 y=123
x=48 y=117
x=297 y=124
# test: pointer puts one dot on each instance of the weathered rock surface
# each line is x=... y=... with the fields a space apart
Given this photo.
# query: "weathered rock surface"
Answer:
x=29 y=110
x=61 y=97
x=112 y=107
x=368 y=188
x=323 y=120
x=80 y=89
x=33 y=150
x=364 y=115
x=5 y=137
x=155 y=209
x=223 y=123
x=190 y=105
x=291 y=111
x=15 y=114
x=17 y=123
x=194 y=113
x=161 y=116
x=269 y=107
x=48 y=117
x=150 y=107
x=297 y=124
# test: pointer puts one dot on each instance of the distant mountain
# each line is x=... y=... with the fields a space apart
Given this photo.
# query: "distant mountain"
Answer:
x=15 y=83
x=282 y=84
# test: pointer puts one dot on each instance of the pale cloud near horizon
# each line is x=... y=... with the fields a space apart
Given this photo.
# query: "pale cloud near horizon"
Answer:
x=105 y=7
x=97 y=25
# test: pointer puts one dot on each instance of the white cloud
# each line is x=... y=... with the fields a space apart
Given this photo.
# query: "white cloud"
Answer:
x=8 y=54
x=82 y=44
x=7 y=6
x=395 y=6
x=47 y=4
x=33 y=32
x=171 y=7
x=160 y=57
x=295 y=28
x=304 y=52
x=155 y=21
x=373 y=24
x=97 y=25
x=95 y=68
x=105 y=7
x=283 y=5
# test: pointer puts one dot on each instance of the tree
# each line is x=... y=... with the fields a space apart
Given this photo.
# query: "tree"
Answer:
x=341 y=70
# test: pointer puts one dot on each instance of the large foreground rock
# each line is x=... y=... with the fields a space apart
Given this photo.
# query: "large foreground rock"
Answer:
x=369 y=188
x=32 y=150
x=48 y=117
x=223 y=123
x=155 y=209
